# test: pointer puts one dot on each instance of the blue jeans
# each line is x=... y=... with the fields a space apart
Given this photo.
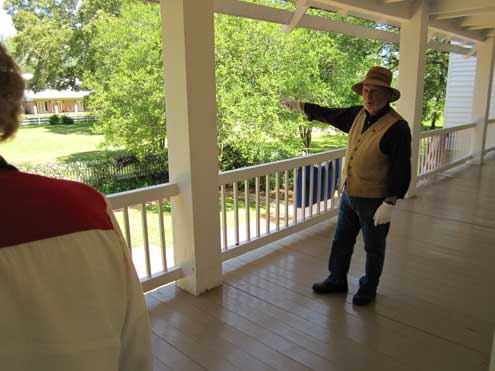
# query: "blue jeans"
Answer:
x=356 y=213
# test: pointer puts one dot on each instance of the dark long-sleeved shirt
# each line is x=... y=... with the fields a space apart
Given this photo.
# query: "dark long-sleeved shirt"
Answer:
x=395 y=143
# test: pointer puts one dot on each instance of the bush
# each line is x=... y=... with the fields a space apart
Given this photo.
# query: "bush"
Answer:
x=54 y=120
x=108 y=176
x=66 y=120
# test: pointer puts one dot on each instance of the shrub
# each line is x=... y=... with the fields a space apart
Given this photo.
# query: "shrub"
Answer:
x=54 y=120
x=67 y=120
x=108 y=176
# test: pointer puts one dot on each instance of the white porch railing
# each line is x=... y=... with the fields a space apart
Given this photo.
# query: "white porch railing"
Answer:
x=261 y=204
x=490 y=136
x=443 y=149
x=153 y=262
x=264 y=203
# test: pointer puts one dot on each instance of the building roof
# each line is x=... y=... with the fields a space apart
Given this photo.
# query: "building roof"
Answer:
x=55 y=94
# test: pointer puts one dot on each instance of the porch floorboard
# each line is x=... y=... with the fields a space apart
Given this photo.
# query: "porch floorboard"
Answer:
x=435 y=308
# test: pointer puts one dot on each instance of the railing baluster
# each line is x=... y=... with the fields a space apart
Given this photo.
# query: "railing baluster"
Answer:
x=319 y=183
x=236 y=213
x=127 y=229
x=420 y=157
x=340 y=182
x=295 y=195
x=334 y=183
x=466 y=142
x=277 y=200
x=144 y=223
x=267 y=202
x=326 y=166
x=427 y=154
x=224 y=218
x=286 y=200
x=303 y=193
x=437 y=151
x=246 y=203
x=258 y=217
x=163 y=242
x=454 y=146
x=311 y=185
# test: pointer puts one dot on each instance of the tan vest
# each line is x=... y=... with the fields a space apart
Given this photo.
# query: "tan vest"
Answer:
x=367 y=168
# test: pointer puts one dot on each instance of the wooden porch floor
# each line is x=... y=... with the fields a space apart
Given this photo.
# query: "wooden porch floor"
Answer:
x=435 y=308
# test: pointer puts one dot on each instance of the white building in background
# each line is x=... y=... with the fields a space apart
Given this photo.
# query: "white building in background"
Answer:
x=54 y=101
x=460 y=91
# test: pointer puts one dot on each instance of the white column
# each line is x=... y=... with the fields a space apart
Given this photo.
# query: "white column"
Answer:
x=492 y=358
x=481 y=98
x=413 y=40
x=189 y=59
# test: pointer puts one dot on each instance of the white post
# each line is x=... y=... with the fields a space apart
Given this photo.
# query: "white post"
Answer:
x=189 y=59
x=492 y=361
x=481 y=98
x=413 y=41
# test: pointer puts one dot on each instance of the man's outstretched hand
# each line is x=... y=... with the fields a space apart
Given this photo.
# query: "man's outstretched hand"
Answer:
x=292 y=104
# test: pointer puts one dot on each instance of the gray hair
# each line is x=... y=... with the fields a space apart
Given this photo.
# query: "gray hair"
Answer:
x=11 y=95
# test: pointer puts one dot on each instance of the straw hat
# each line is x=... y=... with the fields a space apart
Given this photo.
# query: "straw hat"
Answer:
x=378 y=76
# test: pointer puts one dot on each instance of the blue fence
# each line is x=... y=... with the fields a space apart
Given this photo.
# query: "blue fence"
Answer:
x=319 y=174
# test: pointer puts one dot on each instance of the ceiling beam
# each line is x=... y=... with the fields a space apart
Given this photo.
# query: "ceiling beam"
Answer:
x=399 y=12
x=301 y=7
x=481 y=19
x=449 y=48
x=480 y=27
x=445 y=27
x=456 y=6
x=279 y=16
x=461 y=14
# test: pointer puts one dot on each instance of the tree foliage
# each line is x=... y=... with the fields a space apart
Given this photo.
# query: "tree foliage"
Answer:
x=53 y=36
x=127 y=79
x=436 y=69
x=114 y=47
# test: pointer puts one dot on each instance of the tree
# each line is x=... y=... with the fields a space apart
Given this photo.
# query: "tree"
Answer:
x=53 y=36
x=128 y=79
x=435 y=79
x=436 y=69
x=252 y=127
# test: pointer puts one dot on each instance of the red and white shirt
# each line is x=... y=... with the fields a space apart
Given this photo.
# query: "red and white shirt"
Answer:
x=70 y=298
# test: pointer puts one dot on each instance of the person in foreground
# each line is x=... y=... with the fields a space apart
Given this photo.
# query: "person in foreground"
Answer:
x=70 y=297
x=377 y=173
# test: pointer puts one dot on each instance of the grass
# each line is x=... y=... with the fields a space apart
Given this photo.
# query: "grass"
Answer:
x=55 y=143
x=152 y=218
x=136 y=227
x=326 y=141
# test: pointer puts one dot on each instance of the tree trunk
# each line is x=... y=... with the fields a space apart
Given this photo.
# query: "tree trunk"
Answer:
x=434 y=117
x=305 y=133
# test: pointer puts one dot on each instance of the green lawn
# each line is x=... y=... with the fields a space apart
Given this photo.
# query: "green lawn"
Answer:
x=136 y=227
x=60 y=143
x=326 y=142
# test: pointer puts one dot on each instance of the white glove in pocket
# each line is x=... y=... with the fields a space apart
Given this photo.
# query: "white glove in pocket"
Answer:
x=383 y=214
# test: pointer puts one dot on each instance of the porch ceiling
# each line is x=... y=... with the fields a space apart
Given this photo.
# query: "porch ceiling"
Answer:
x=459 y=20
x=466 y=20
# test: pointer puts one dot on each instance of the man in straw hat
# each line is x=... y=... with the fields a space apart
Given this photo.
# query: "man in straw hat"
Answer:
x=377 y=173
